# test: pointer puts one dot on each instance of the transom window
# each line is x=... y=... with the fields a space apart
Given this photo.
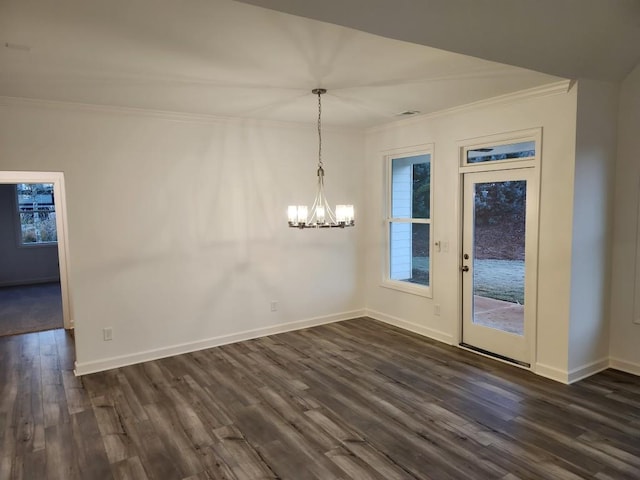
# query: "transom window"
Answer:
x=37 y=213
x=409 y=221
x=496 y=153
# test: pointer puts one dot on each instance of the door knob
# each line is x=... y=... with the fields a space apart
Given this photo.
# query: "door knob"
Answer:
x=464 y=268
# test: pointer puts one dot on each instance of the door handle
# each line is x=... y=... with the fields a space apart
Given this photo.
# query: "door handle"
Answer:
x=464 y=268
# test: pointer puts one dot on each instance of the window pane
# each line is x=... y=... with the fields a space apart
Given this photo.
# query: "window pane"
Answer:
x=409 y=253
x=411 y=187
x=502 y=152
x=37 y=211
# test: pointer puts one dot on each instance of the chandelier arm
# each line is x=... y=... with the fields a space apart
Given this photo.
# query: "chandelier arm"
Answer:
x=321 y=201
x=330 y=216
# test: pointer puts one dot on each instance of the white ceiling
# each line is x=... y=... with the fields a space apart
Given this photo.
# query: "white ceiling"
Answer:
x=227 y=58
x=596 y=39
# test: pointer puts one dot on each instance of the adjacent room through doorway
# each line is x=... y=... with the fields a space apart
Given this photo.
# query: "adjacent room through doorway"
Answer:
x=30 y=292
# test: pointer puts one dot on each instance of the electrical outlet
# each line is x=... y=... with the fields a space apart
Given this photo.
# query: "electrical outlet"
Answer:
x=274 y=306
x=107 y=334
x=436 y=309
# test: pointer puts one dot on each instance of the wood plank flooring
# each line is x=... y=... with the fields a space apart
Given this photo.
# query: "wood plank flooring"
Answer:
x=353 y=400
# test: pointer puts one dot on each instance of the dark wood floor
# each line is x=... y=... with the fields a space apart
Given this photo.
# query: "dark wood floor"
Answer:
x=357 y=399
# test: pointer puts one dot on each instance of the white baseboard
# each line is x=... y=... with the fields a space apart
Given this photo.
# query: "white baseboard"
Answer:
x=587 y=370
x=94 y=366
x=623 y=365
x=547 y=371
x=412 y=327
x=552 y=373
x=574 y=375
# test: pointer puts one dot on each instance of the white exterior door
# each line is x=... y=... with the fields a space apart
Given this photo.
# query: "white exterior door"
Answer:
x=499 y=262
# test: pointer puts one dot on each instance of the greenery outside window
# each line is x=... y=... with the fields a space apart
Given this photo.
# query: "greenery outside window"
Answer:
x=36 y=213
x=409 y=223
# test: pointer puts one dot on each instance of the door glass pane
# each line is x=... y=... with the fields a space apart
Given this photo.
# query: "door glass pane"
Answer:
x=409 y=255
x=498 y=255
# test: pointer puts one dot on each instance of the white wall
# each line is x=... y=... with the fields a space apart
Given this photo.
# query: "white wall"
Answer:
x=22 y=265
x=596 y=139
x=178 y=237
x=624 y=344
x=178 y=232
x=556 y=114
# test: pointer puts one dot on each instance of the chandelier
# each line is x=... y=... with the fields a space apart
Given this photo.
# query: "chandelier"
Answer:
x=321 y=215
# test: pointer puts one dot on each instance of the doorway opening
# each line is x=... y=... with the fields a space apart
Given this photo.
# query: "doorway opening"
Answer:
x=499 y=248
x=34 y=288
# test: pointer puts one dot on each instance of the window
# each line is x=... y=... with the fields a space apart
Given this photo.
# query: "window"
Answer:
x=37 y=213
x=409 y=220
x=496 y=153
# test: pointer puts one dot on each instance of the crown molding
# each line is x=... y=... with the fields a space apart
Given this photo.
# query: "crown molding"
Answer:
x=111 y=109
x=6 y=101
x=556 y=88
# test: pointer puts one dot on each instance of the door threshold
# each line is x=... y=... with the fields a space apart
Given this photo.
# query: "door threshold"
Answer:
x=495 y=355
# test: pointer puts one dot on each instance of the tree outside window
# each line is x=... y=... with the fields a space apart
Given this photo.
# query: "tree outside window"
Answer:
x=37 y=213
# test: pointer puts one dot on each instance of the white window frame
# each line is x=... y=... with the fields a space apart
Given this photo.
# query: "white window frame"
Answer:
x=508 y=138
x=387 y=281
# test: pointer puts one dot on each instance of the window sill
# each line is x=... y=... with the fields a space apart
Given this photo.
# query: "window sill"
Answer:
x=38 y=245
x=406 y=287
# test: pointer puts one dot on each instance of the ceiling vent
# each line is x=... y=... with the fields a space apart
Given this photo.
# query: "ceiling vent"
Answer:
x=17 y=46
x=407 y=113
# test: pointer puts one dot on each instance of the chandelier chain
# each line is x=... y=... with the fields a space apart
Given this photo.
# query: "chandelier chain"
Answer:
x=319 y=130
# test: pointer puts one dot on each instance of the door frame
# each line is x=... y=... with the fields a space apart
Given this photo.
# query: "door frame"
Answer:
x=533 y=134
x=57 y=179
